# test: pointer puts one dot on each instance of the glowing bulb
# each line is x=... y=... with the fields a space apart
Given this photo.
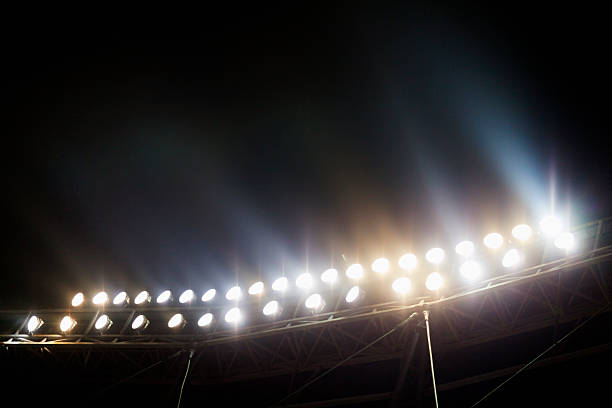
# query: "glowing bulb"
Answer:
x=434 y=281
x=465 y=248
x=34 y=324
x=176 y=321
x=256 y=288
x=381 y=265
x=271 y=308
x=142 y=297
x=470 y=270
x=402 y=285
x=281 y=284
x=140 y=323
x=103 y=323
x=315 y=302
x=355 y=271
x=187 y=296
x=78 y=299
x=67 y=324
x=100 y=298
x=233 y=316
x=330 y=276
x=164 y=297
x=551 y=225
x=511 y=259
x=353 y=294
x=565 y=241
x=435 y=255
x=205 y=320
x=234 y=293
x=407 y=262
x=209 y=295
x=121 y=298
x=304 y=281
x=522 y=232
x=493 y=240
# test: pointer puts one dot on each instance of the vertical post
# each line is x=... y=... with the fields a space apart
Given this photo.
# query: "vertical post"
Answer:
x=433 y=375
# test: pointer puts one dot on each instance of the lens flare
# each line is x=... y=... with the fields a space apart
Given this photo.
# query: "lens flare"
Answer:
x=209 y=295
x=381 y=265
x=256 y=288
x=493 y=240
x=565 y=241
x=407 y=262
x=234 y=293
x=435 y=255
x=205 y=320
x=522 y=232
x=465 y=248
x=271 y=308
x=402 y=285
x=355 y=271
x=304 y=281
x=471 y=270
x=434 y=281
x=233 y=316
x=511 y=259
x=281 y=284
x=78 y=299
x=330 y=276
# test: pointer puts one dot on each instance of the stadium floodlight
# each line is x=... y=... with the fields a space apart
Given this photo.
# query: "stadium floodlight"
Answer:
x=407 y=262
x=565 y=241
x=281 y=284
x=100 y=298
x=522 y=232
x=434 y=281
x=78 y=299
x=205 y=320
x=140 y=323
x=142 y=297
x=551 y=226
x=330 y=276
x=355 y=271
x=234 y=293
x=233 y=316
x=187 y=296
x=511 y=259
x=435 y=255
x=465 y=248
x=67 y=324
x=304 y=281
x=103 y=323
x=121 y=299
x=256 y=288
x=209 y=295
x=402 y=285
x=354 y=294
x=177 y=321
x=381 y=265
x=165 y=296
x=470 y=270
x=34 y=323
x=493 y=240
x=315 y=303
x=272 y=308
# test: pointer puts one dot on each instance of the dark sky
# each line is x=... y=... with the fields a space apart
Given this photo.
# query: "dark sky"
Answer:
x=280 y=139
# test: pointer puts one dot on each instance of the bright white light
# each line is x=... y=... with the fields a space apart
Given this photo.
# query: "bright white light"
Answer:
x=353 y=294
x=205 y=320
x=434 y=281
x=435 y=255
x=187 y=296
x=551 y=225
x=78 y=299
x=470 y=270
x=355 y=271
x=67 y=324
x=256 y=288
x=209 y=295
x=271 y=308
x=329 y=276
x=465 y=248
x=164 y=296
x=493 y=240
x=233 y=316
x=381 y=265
x=281 y=284
x=234 y=293
x=142 y=297
x=140 y=323
x=407 y=262
x=522 y=232
x=304 y=281
x=103 y=323
x=402 y=285
x=314 y=302
x=100 y=298
x=565 y=241
x=176 y=321
x=120 y=298
x=511 y=259
x=34 y=324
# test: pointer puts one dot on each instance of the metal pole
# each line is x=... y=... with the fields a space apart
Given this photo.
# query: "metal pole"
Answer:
x=433 y=375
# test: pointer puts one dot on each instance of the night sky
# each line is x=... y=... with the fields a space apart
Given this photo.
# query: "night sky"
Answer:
x=264 y=141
